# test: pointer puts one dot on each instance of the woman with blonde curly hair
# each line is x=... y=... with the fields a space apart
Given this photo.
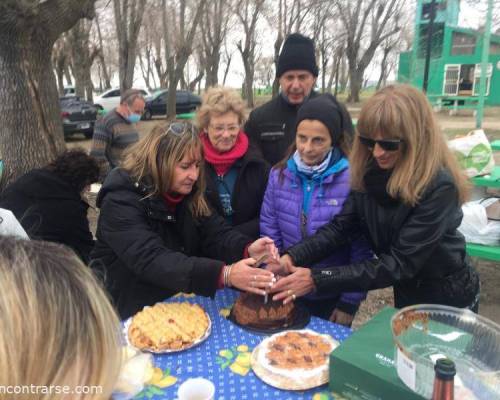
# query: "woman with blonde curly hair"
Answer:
x=157 y=235
x=236 y=172
x=60 y=336
x=407 y=191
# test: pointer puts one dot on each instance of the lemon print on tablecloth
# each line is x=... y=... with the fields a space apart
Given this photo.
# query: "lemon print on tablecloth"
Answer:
x=158 y=381
x=236 y=358
x=325 y=395
x=185 y=295
x=225 y=311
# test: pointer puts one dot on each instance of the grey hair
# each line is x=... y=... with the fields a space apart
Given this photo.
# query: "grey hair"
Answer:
x=130 y=95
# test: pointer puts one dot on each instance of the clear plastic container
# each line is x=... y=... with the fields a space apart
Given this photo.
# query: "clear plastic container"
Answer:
x=427 y=332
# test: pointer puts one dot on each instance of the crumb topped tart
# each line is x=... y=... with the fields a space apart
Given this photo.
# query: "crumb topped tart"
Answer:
x=294 y=360
x=168 y=327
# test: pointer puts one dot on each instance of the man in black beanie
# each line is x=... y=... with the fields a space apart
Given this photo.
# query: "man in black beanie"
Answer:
x=271 y=127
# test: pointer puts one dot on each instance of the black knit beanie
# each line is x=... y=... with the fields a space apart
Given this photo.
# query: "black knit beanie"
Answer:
x=326 y=109
x=297 y=53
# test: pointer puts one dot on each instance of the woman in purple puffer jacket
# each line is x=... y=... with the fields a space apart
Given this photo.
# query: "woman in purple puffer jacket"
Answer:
x=307 y=189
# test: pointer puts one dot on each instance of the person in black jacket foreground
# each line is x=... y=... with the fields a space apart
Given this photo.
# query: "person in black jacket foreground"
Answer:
x=236 y=173
x=48 y=201
x=407 y=189
x=157 y=236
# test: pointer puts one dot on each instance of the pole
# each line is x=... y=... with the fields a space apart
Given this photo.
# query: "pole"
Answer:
x=430 y=33
x=484 y=65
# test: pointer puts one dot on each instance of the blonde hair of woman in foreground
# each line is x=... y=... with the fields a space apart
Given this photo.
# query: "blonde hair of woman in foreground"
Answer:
x=59 y=331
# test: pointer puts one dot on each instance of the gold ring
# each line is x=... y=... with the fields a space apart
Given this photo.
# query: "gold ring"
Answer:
x=289 y=292
x=293 y=296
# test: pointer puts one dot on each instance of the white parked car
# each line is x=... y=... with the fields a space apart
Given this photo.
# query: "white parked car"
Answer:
x=110 y=99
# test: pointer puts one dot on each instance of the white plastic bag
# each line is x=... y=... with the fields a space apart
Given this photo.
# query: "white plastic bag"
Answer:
x=10 y=226
x=474 y=153
x=475 y=225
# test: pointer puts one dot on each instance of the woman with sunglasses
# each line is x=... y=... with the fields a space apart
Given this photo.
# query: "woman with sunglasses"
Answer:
x=407 y=189
x=236 y=172
x=157 y=236
x=307 y=188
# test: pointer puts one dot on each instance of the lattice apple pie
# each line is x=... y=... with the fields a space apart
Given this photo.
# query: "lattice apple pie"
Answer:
x=168 y=326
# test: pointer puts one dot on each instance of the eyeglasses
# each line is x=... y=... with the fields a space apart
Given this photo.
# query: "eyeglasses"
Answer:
x=387 y=144
x=222 y=128
x=180 y=128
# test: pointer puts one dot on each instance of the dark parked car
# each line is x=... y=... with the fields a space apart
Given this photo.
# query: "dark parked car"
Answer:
x=78 y=116
x=157 y=104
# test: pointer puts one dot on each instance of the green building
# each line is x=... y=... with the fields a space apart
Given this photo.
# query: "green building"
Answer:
x=454 y=68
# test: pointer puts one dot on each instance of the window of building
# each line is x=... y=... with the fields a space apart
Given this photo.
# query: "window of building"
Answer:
x=427 y=8
x=477 y=78
x=436 y=42
x=451 y=79
x=494 y=48
x=462 y=43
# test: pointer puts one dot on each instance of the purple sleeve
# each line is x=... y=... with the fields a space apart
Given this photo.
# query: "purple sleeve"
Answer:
x=268 y=217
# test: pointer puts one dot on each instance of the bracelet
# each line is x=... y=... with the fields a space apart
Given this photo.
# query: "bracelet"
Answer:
x=227 y=275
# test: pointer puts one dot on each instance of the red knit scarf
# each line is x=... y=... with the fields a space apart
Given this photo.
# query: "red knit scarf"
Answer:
x=222 y=162
x=171 y=201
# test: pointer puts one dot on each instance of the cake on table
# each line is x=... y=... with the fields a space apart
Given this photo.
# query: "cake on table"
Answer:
x=293 y=360
x=250 y=310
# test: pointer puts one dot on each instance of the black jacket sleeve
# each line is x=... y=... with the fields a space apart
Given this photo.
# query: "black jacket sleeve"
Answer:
x=126 y=230
x=411 y=250
x=343 y=229
x=221 y=241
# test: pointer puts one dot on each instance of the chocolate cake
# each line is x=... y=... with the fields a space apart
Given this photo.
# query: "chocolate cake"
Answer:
x=250 y=310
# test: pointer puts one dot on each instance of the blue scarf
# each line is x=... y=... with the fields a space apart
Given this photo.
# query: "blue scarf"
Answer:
x=311 y=171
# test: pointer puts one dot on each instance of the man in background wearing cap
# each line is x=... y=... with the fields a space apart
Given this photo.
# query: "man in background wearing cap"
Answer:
x=271 y=126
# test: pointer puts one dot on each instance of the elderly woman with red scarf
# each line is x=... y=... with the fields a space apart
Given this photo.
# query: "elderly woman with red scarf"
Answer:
x=236 y=172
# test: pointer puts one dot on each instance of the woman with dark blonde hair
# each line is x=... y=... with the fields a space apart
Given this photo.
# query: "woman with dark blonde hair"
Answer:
x=60 y=336
x=407 y=191
x=156 y=234
x=236 y=172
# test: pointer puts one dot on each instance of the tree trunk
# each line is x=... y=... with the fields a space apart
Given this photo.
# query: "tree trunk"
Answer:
x=171 y=99
x=100 y=55
x=30 y=123
x=67 y=73
x=356 y=77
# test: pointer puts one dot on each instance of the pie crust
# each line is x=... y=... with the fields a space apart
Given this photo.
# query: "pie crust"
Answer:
x=168 y=326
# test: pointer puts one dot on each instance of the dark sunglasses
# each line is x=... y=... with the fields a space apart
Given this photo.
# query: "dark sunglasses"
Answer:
x=180 y=128
x=387 y=145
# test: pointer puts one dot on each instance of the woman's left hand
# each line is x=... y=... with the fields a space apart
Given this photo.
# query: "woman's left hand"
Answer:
x=264 y=247
x=298 y=283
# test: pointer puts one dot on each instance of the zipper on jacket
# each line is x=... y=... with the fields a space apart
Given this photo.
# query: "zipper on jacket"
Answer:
x=303 y=224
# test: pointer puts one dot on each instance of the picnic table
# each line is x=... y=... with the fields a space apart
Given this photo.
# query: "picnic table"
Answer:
x=224 y=358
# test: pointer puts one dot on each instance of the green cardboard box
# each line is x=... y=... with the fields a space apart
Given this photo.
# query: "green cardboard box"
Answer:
x=362 y=367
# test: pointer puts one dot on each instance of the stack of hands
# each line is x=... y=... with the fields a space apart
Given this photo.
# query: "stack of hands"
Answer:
x=281 y=279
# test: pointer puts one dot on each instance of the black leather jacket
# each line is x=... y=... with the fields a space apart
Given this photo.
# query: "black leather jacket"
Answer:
x=419 y=250
x=149 y=253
